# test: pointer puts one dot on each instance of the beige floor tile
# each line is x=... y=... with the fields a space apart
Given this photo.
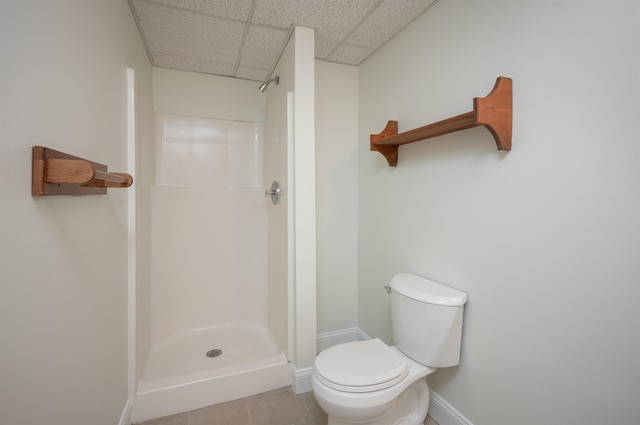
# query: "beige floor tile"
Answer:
x=180 y=419
x=430 y=421
x=318 y=416
x=278 y=407
x=233 y=412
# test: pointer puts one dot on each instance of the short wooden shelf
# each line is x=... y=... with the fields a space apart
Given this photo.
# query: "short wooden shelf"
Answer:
x=58 y=173
x=495 y=112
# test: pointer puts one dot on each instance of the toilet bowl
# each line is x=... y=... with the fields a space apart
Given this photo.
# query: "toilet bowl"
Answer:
x=369 y=382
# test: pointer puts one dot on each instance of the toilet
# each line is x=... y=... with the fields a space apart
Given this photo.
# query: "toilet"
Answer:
x=369 y=382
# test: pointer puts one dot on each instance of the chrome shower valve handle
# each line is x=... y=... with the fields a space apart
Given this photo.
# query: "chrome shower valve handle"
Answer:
x=275 y=192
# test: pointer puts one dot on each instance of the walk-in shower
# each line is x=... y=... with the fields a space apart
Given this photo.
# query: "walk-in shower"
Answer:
x=215 y=332
x=225 y=279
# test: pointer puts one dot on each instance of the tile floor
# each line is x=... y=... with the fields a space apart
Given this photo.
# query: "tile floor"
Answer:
x=279 y=407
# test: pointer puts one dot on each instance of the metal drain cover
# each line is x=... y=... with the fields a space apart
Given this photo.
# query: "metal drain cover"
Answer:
x=214 y=353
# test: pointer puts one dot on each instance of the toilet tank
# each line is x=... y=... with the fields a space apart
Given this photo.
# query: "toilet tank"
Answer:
x=427 y=320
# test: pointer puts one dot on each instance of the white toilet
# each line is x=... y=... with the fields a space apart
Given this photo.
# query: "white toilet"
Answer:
x=368 y=382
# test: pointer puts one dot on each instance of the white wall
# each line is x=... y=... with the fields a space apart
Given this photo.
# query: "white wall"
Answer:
x=544 y=239
x=337 y=195
x=63 y=262
x=210 y=96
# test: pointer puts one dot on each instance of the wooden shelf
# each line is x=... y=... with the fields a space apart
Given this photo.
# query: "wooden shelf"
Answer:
x=494 y=112
x=58 y=173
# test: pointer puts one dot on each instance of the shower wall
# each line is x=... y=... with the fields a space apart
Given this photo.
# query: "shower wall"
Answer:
x=208 y=226
x=169 y=201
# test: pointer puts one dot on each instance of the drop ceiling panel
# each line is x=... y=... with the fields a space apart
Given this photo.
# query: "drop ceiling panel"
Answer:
x=332 y=19
x=324 y=47
x=263 y=46
x=349 y=54
x=387 y=20
x=189 y=34
x=244 y=38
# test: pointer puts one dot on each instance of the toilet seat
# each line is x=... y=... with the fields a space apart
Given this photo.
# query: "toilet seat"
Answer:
x=361 y=366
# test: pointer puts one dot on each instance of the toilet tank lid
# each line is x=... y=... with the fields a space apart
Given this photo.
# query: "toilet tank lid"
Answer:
x=427 y=291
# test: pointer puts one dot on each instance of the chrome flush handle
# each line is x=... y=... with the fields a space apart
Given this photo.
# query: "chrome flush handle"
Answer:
x=388 y=288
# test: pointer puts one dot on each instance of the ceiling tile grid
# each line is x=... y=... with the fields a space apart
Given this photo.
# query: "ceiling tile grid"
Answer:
x=193 y=64
x=255 y=74
x=349 y=54
x=331 y=19
x=229 y=9
x=245 y=38
x=324 y=47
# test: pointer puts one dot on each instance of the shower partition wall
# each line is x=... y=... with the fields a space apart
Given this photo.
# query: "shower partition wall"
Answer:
x=210 y=323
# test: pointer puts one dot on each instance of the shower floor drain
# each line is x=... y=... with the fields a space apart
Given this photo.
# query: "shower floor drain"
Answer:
x=214 y=353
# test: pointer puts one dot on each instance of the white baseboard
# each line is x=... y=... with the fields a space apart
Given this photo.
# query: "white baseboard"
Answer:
x=443 y=413
x=125 y=418
x=327 y=339
x=301 y=379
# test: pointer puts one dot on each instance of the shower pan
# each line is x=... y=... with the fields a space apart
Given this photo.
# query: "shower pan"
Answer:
x=184 y=373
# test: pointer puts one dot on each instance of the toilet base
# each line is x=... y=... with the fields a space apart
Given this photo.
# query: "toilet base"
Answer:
x=410 y=408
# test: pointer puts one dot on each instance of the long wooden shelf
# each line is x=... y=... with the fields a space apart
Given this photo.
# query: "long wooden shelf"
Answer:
x=495 y=112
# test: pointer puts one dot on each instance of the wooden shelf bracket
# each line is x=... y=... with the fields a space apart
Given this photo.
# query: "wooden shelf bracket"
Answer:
x=58 y=173
x=495 y=112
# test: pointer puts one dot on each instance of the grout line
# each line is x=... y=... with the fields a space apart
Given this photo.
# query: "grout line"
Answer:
x=245 y=33
x=246 y=406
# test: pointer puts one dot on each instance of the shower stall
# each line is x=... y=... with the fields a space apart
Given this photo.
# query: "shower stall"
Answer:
x=222 y=298
x=212 y=337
